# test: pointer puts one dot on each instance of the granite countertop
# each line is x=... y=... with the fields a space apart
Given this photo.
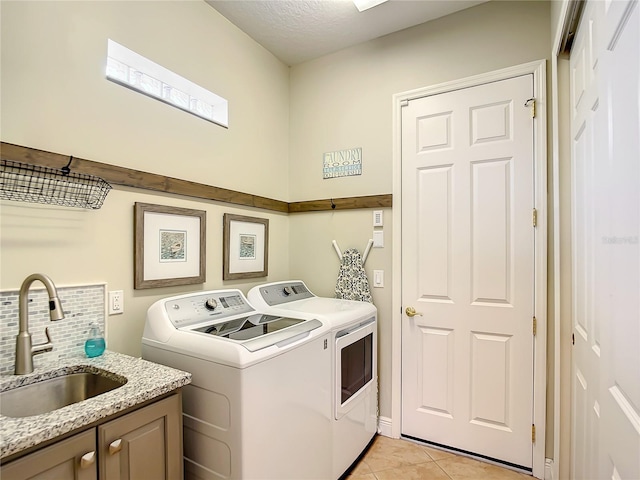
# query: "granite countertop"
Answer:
x=145 y=381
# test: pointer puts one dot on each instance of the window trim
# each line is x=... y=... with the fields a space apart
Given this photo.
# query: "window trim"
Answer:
x=201 y=102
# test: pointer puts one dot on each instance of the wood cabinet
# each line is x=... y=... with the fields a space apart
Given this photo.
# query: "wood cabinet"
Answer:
x=72 y=458
x=143 y=444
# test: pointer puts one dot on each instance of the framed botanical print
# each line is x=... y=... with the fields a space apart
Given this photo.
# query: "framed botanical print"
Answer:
x=245 y=247
x=169 y=246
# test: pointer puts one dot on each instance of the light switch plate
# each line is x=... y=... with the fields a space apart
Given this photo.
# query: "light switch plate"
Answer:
x=378 y=278
x=378 y=239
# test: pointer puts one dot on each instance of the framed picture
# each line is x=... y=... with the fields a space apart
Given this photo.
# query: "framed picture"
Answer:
x=245 y=247
x=169 y=246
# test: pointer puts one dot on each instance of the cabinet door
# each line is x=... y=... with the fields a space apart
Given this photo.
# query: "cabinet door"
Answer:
x=145 y=444
x=70 y=459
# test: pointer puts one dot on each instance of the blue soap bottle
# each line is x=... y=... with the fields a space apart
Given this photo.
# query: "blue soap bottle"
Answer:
x=95 y=345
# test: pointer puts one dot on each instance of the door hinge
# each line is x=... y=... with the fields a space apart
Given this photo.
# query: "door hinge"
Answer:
x=573 y=339
x=535 y=326
x=535 y=218
x=404 y=103
x=531 y=103
x=533 y=433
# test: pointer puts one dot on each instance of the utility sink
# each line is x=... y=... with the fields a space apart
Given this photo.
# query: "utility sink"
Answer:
x=57 y=392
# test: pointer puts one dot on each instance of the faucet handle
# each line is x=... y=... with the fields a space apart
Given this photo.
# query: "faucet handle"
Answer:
x=43 y=347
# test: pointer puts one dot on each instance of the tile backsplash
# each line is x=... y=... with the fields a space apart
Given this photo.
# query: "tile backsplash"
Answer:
x=82 y=306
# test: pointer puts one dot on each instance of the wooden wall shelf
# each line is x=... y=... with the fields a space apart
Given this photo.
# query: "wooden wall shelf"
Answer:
x=348 y=203
x=128 y=177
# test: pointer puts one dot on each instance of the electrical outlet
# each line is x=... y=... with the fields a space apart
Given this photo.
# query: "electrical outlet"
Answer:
x=116 y=302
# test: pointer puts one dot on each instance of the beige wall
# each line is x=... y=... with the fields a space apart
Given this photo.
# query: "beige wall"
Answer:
x=344 y=100
x=55 y=97
x=78 y=247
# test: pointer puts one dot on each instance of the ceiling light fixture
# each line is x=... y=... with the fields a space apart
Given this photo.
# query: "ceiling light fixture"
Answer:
x=363 y=5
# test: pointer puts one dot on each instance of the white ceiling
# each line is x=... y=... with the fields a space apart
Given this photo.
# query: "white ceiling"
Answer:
x=296 y=31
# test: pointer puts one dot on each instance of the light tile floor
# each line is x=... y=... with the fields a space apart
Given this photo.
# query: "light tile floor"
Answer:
x=391 y=459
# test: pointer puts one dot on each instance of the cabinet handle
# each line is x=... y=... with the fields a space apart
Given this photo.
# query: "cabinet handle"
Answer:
x=115 y=446
x=87 y=459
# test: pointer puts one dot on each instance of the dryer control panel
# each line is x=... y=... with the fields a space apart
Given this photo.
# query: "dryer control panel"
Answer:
x=284 y=292
x=187 y=310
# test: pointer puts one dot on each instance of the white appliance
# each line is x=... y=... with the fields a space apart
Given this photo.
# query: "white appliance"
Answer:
x=354 y=361
x=259 y=405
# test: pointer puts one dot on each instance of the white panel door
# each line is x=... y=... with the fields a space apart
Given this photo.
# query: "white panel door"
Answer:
x=605 y=85
x=468 y=269
x=587 y=112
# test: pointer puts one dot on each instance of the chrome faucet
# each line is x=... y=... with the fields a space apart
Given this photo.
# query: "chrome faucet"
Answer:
x=24 y=350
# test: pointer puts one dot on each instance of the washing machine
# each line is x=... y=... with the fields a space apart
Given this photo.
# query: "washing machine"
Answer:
x=353 y=325
x=259 y=405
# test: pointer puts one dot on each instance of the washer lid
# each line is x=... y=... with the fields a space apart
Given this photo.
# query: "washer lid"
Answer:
x=246 y=328
x=256 y=332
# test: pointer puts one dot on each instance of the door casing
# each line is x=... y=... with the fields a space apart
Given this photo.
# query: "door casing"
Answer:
x=392 y=426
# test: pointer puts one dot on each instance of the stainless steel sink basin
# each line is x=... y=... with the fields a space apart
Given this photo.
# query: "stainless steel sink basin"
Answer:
x=53 y=393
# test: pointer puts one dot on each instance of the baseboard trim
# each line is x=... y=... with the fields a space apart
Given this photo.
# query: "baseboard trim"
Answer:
x=548 y=469
x=384 y=426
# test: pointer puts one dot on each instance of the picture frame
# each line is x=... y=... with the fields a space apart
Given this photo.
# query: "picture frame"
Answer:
x=169 y=246
x=245 y=247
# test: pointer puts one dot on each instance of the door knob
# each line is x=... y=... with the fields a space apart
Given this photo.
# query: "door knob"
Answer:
x=411 y=312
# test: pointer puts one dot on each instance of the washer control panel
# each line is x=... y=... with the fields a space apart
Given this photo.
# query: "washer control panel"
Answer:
x=192 y=309
x=277 y=294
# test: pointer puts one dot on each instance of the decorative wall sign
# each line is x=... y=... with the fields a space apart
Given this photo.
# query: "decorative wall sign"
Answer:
x=245 y=247
x=343 y=163
x=169 y=246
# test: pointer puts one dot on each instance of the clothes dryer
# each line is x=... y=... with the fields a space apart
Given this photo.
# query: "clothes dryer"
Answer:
x=353 y=343
x=259 y=405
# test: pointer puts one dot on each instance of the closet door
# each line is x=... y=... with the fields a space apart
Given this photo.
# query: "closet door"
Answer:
x=605 y=130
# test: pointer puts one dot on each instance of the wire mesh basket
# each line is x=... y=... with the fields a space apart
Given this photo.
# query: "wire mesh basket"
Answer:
x=30 y=183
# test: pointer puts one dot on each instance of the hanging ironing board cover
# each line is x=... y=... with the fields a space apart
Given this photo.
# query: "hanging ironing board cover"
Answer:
x=352 y=281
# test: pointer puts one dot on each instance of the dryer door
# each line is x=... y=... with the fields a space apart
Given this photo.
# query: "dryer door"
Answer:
x=356 y=365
